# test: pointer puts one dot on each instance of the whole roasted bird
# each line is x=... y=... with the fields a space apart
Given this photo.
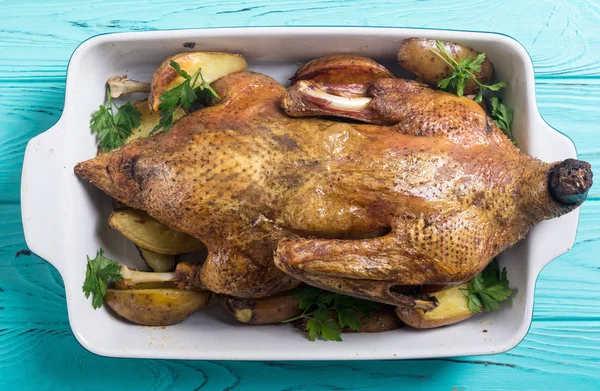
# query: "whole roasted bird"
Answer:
x=428 y=192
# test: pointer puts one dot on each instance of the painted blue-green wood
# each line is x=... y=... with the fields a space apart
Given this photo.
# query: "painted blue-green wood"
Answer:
x=37 y=349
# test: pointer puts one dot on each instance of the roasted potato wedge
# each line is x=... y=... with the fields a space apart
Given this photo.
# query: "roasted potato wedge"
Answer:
x=214 y=65
x=453 y=307
x=149 y=120
x=341 y=69
x=149 y=234
x=415 y=55
x=155 y=307
x=146 y=285
x=383 y=320
x=157 y=262
x=262 y=311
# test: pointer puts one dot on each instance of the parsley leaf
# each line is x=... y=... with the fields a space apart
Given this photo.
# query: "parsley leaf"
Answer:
x=462 y=72
x=114 y=129
x=488 y=289
x=98 y=271
x=330 y=330
x=307 y=296
x=503 y=117
x=181 y=96
x=320 y=308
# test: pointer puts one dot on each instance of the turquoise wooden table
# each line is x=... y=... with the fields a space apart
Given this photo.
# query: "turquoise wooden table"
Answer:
x=37 y=348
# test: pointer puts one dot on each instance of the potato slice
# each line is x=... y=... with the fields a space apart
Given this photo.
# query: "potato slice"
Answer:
x=415 y=55
x=383 y=320
x=149 y=234
x=214 y=65
x=341 y=69
x=263 y=311
x=155 y=307
x=157 y=262
x=453 y=307
x=146 y=285
x=149 y=120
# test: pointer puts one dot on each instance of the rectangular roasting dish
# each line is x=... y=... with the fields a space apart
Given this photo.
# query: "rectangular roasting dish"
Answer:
x=65 y=219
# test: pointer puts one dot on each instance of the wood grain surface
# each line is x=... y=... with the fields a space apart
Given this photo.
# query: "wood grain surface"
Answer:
x=37 y=348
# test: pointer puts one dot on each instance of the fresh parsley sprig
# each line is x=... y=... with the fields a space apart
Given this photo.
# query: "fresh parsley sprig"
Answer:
x=503 y=117
x=488 y=289
x=462 y=72
x=113 y=129
x=319 y=307
x=97 y=274
x=181 y=96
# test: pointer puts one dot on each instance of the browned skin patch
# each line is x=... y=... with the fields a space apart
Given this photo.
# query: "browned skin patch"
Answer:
x=341 y=69
x=246 y=179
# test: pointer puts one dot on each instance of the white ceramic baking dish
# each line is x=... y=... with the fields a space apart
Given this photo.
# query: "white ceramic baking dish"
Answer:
x=65 y=219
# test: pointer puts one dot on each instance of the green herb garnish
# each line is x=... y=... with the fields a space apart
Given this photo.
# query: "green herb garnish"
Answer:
x=488 y=289
x=462 y=72
x=319 y=307
x=181 y=96
x=114 y=129
x=503 y=117
x=98 y=272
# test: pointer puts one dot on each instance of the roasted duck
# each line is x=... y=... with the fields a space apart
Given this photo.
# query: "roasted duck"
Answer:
x=428 y=191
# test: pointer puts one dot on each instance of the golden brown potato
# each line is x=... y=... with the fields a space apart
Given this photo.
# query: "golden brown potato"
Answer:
x=149 y=120
x=383 y=320
x=453 y=307
x=341 y=69
x=157 y=262
x=146 y=285
x=263 y=311
x=214 y=65
x=155 y=307
x=416 y=57
x=149 y=234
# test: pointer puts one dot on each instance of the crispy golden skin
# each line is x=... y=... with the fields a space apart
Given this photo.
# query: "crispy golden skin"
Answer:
x=353 y=208
x=341 y=68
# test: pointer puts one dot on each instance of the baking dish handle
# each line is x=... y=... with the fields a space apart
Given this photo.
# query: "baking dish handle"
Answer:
x=41 y=189
x=552 y=238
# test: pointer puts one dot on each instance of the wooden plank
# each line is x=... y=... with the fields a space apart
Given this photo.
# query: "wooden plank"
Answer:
x=31 y=290
x=554 y=357
x=37 y=349
x=560 y=36
x=29 y=108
